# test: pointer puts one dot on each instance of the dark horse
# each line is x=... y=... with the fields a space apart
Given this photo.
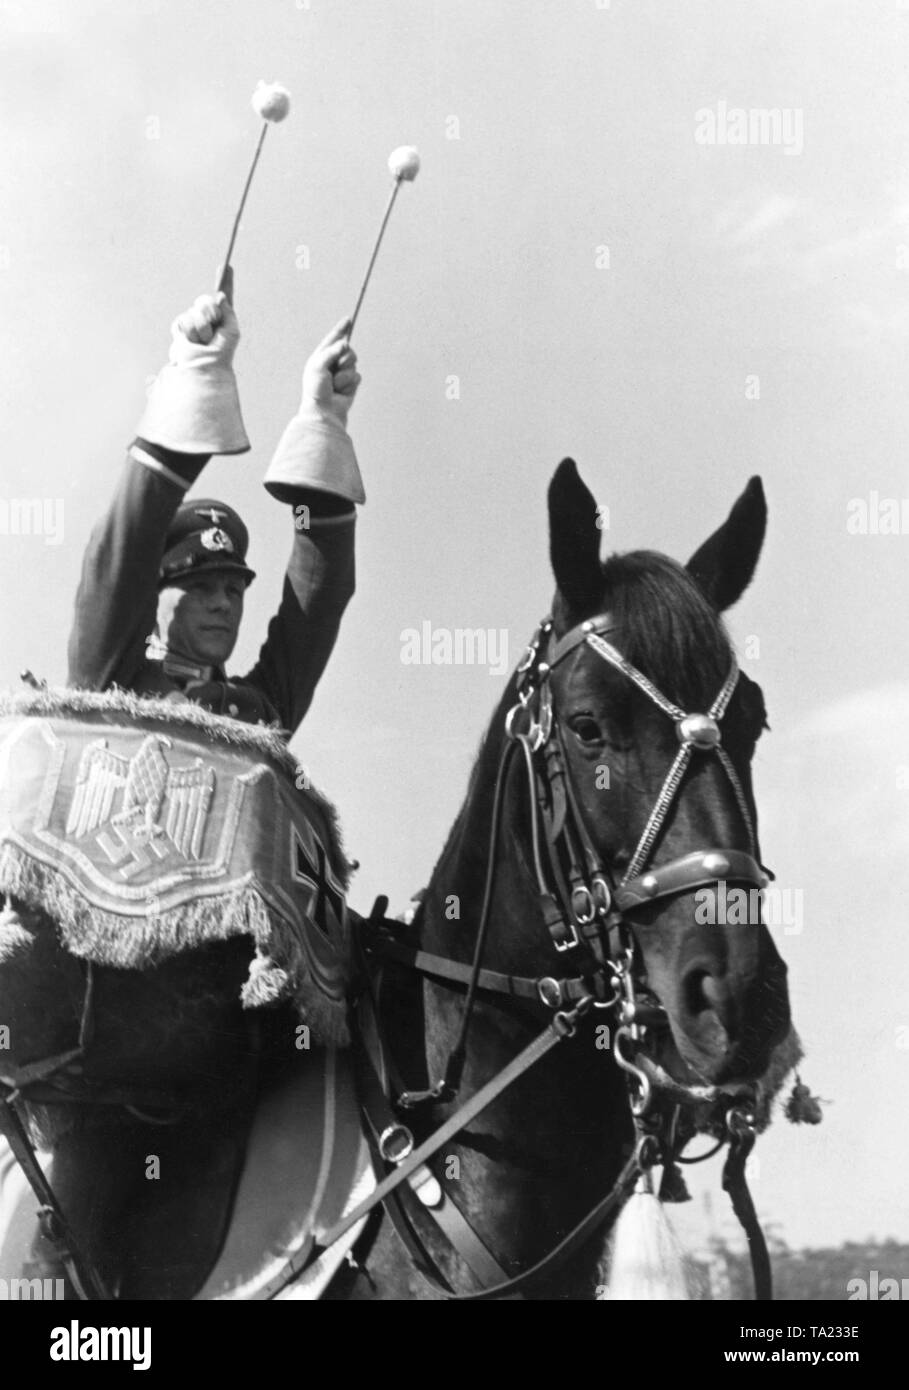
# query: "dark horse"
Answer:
x=583 y=863
x=535 y=1161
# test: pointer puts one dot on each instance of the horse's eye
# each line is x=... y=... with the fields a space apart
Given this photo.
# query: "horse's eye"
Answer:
x=586 y=729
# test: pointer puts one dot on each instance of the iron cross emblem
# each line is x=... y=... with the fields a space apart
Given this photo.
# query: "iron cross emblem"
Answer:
x=317 y=875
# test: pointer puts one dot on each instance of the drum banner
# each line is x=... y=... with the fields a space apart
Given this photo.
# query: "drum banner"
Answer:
x=145 y=828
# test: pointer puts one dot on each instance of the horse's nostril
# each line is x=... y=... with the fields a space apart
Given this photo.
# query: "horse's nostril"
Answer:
x=696 y=998
x=704 y=991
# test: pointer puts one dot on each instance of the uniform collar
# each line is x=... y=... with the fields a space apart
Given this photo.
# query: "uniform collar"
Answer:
x=180 y=668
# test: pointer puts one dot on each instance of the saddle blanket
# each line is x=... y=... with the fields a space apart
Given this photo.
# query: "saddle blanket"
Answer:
x=144 y=828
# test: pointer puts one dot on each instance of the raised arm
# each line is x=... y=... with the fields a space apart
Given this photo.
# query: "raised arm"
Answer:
x=315 y=473
x=192 y=412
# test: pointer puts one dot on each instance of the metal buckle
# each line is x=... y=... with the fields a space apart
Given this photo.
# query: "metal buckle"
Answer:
x=542 y=728
x=602 y=894
x=609 y=1003
x=392 y=1135
x=550 y=992
x=589 y=913
x=515 y=711
x=647 y=1151
x=740 y=1122
x=640 y=1103
x=529 y=657
x=572 y=941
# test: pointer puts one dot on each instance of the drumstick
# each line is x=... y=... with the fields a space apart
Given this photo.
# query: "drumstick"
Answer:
x=404 y=163
x=271 y=101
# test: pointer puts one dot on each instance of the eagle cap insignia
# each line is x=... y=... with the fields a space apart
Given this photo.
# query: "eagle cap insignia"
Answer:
x=217 y=539
x=212 y=513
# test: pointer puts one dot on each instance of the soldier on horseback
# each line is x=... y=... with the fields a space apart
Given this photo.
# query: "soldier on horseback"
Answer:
x=157 y=613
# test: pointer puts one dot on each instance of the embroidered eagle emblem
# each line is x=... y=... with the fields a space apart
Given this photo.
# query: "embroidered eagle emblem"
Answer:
x=140 y=804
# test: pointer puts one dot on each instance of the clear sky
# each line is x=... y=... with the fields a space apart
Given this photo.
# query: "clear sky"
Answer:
x=578 y=270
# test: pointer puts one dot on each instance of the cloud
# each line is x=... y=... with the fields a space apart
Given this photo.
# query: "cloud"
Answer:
x=745 y=223
x=853 y=255
x=840 y=785
x=867 y=716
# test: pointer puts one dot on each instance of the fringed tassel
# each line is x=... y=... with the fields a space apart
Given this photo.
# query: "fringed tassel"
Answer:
x=280 y=969
x=673 y=1187
x=803 y=1108
x=646 y=1261
x=15 y=937
x=267 y=983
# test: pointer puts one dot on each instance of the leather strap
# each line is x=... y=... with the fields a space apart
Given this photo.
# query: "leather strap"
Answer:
x=85 y=1279
x=445 y=1213
x=459 y=972
x=703 y=867
x=543 y=1043
x=603 y=622
x=472 y=1250
x=518 y=1286
x=734 y=1182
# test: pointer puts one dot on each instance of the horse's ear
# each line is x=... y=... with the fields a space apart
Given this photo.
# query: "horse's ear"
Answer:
x=574 y=538
x=724 y=565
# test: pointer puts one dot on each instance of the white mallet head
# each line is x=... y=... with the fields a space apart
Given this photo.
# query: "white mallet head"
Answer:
x=404 y=163
x=271 y=101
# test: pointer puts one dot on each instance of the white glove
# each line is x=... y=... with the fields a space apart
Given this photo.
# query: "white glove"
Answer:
x=193 y=406
x=315 y=451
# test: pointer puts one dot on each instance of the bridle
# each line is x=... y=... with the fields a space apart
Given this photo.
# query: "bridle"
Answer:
x=594 y=896
x=586 y=911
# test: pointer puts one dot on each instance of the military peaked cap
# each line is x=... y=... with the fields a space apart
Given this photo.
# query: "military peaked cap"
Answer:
x=205 y=537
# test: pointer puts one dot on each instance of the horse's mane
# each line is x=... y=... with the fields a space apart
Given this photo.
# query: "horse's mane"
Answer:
x=664 y=625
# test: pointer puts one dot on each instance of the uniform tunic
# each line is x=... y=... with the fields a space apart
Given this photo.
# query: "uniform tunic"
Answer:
x=116 y=602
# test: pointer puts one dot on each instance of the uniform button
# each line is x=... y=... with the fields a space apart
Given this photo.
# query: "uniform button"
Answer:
x=233 y=710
